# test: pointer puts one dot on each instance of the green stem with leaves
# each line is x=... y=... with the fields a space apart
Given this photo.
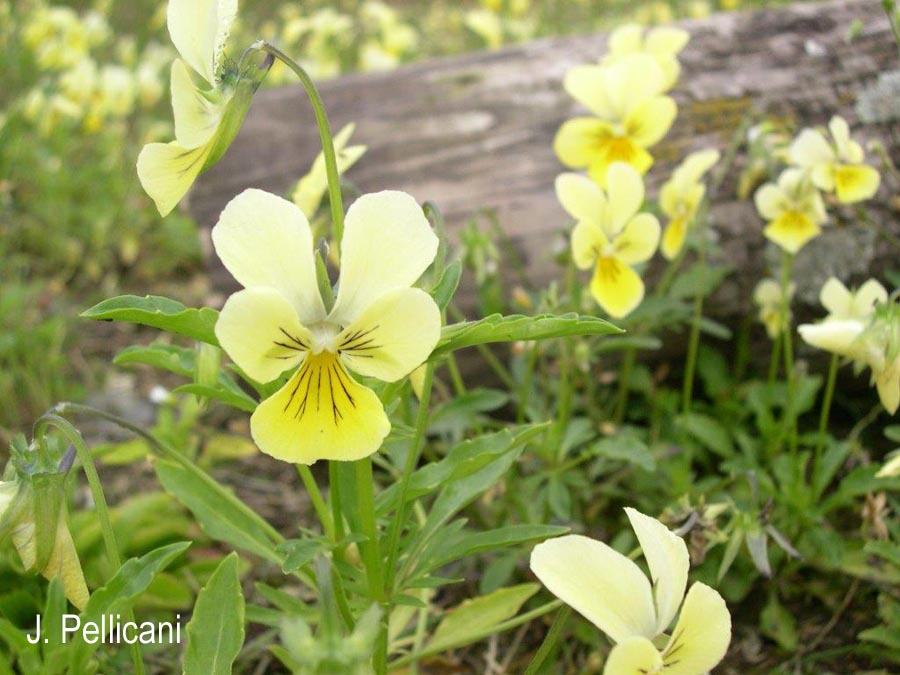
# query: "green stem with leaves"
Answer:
x=826 y=407
x=550 y=640
x=687 y=392
x=790 y=420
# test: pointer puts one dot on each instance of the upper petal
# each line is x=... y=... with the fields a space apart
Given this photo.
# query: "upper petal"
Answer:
x=634 y=656
x=702 y=634
x=625 y=194
x=393 y=336
x=638 y=241
x=198 y=29
x=626 y=38
x=868 y=295
x=770 y=201
x=810 y=148
x=258 y=328
x=668 y=559
x=264 y=240
x=650 y=120
x=196 y=117
x=589 y=85
x=580 y=197
x=835 y=297
x=588 y=242
x=388 y=243
x=167 y=171
x=601 y=584
x=321 y=413
x=666 y=40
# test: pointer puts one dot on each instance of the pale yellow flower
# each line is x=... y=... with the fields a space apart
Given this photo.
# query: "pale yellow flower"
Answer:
x=843 y=303
x=311 y=188
x=613 y=593
x=631 y=115
x=379 y=326
x=610 y=235
x=663 y=43
x=767 y=296
x=891 y=468
x=207 y=117
x=793 y=208
x=680 y=197
x=836 y=166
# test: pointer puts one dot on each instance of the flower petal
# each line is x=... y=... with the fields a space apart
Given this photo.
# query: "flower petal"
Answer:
x=868 y=295
x=770 y=201
x=626 y=39
x=388 y=243
x=619 y=149
x=616 y=287
x=264 y=240
x=395 y=334
x=887 y=381
x=810 y=148
x=258 y=328
x=63 y=563
x=638 y=241
x=855 y=182
x=196 y=117
x=589 y=85
x=198 y=29
x=835 y=297
x=666 y=40
x=701 y=637
x=650 y=120
x=601 y=584
x=673 y=238
x=625 y=194
x=837 y=337
x=580 y=197
x=667 y=556
x=321 y=413
x=588 y=242
x=576 y=142
x=792 y=230
x=848 y=150
x=167 y=171
x=634 y=656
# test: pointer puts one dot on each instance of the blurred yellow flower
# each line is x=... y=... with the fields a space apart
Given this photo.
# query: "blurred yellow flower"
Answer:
x=680 y=197
x=207 y=117
x=311 y=188
x=379 y=326
x=793 y=208
x=663 y=43
x=610 y=235
x=843 y=303
x=614 y=594
x=631 y=115
x=891 y=468
x=837 y=166
x=767 y=296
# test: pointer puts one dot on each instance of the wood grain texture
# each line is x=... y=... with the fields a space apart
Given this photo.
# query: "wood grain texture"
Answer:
x=475 y=132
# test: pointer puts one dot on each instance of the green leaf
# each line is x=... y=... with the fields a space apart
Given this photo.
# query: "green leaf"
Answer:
x=233 y=397
x=469 y=621
x=779 y=624
x=499 y=328
x=120 y=594
x=215 y=632
x=707 y=431
x=625 y=447
x=158 y=312
x=300 y=552
x=468 y=543
x=174 y=359
x=216 y=511
x=446 y=287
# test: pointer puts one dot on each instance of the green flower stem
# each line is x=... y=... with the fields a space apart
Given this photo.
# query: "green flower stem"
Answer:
x=525 y=389
x=334 y=496
x=100 y=505
x=469 y=639
x=564 y=405
x=550 y=640
x=687 y=392
x=412 y=458
x=370 y=547
x=315 y=496
x=331 y=169
x=774 y=360
x=790 y=421
x=628 y=359
x=826 y=407
x=671 y=270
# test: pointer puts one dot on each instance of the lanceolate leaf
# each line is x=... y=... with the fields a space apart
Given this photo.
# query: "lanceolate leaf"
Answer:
x=215 y=633
x=498 y=328
x=158 y=312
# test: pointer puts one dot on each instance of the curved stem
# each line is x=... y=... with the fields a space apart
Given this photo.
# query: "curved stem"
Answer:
x=100 y=505
x=331 y=169
x=547 y=646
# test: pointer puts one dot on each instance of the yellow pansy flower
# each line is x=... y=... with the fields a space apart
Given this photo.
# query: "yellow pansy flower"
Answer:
x=680 y=197
x=312 y=187
x=631 y=115
x=793 y=208
x=843 y=303
x=663 y=43
x=610 y=235
x=379 y=326
x=767 y=296
x=208 y=115
x=836 y=166
x=613 y=593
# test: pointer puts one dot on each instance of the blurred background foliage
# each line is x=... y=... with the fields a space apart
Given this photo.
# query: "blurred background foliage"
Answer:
x=85 y=85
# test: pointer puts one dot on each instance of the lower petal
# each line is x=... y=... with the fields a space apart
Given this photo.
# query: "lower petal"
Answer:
x=321 y=413
x=618 y=149
x=167 y=171
x=616 y=287
x=792 y=230
x=702 y=634
x=634 y=656
x=63 y=563
x=855 y=183
x=673 y=238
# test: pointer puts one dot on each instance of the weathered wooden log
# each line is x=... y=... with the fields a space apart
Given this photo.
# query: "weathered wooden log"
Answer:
x=475 y=132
